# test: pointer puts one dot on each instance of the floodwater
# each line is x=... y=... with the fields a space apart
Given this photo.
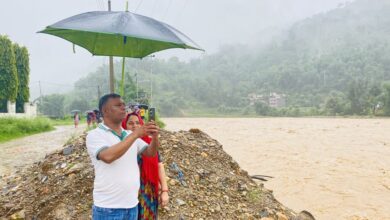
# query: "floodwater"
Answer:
x=335 y=168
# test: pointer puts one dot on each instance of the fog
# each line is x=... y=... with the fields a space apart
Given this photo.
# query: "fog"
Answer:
x=210 y=24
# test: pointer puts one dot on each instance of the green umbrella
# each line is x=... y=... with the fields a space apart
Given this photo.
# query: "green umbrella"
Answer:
x=121 y=34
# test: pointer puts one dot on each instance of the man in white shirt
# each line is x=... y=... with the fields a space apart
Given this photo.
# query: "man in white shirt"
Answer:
x=113 y=152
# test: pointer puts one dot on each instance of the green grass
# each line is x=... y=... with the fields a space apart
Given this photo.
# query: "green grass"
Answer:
x=11 y=128
x=67 y=120
x=255 y=195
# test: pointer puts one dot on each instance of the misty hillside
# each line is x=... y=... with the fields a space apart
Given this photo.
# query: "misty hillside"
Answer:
x=336 y=60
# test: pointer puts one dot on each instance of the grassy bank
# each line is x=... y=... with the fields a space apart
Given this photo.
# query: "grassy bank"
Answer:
x=67 y=120
x=11 y=128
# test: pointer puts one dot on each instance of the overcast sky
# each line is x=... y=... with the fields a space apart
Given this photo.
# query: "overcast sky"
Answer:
x=210 y=23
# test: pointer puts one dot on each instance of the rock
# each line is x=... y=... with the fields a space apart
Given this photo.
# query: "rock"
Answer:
x=75 y=168
x=226 y=199
x=63 y=165
x=218 y=208
x=194 y=130
x=44 y=178
x=196 y=177
x=242 y=187
x=304 y=215
x=180 y=202
x=281 y=216
x=67 y=151
x=62 y=212
x=172 y=182
x=247 y=216
x=19 y=215
x=264 y=213
x=204 y=183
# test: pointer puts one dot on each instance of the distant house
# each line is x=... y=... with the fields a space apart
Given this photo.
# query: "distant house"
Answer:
x=273 y=100
x=30 y=110
x=276 y=100
x=255 y=98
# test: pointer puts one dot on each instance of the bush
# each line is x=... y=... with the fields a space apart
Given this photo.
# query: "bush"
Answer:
x=18 y=127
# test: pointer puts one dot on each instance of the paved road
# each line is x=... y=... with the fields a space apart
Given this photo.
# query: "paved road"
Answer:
x=23 y=151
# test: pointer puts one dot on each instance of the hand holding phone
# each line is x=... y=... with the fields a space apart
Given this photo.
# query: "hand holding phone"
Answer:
x=152 y=114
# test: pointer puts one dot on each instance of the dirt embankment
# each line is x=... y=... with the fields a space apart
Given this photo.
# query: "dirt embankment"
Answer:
x=204 y=181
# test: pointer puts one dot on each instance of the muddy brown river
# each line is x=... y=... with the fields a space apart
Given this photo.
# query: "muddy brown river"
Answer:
x=335 y=168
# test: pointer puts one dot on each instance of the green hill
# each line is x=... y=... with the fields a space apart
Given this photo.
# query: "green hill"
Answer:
x=332 y=63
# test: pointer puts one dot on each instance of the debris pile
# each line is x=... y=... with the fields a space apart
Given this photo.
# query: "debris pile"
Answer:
x=204 y=183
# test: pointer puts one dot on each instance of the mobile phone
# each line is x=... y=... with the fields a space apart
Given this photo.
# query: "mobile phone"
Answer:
x=152 y=114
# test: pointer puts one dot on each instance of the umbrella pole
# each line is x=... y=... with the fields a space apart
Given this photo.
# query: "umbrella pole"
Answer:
x=123 y=78
x=111 y=63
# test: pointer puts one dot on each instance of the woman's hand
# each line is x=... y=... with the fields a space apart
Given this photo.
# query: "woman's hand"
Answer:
x=164 y=198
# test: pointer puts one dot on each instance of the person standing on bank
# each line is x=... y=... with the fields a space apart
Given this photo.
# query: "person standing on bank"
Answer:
x=113 y=152
x=153 y=185
x=76 y=119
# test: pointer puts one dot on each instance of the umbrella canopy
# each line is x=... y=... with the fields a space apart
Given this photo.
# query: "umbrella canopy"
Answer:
x=122 y=34
x=74 y=111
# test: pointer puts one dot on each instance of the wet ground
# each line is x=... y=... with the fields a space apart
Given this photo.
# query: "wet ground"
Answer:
x=24 y=151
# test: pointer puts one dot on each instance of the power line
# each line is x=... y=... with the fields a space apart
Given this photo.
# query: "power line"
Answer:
x=99 y=4
x=179 y=15
x=64 y=85
x=166 y=11
x=154 y=8
x=102 y=5
x=139 y=4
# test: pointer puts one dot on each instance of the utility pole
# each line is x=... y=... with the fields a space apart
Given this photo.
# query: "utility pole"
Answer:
x=98 y=92
x=136 y=84
x=40 y=92
x=111 y=61
x=151 y=82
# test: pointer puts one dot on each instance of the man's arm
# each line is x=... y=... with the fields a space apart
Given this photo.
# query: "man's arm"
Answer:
x=114 y=152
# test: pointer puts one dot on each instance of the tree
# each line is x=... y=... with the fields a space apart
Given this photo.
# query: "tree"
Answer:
x=356 y=97
x=52 y=106
x=334 y=104
x=373 y=97
x=386 y=106
x=8 y=73
x=130 y=89
x=262 y=109
x=23 y=70
x=79 y=104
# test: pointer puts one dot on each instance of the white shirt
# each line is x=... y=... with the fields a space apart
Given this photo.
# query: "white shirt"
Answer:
x=116 y=185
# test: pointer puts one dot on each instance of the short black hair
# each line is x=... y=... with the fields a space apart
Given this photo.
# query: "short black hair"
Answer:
x=104 y=99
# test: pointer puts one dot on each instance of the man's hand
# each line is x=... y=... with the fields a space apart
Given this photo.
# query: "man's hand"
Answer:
x=149 y=128
x=152 y=129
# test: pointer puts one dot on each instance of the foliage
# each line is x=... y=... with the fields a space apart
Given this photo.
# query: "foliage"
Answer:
x=52 y=106
x=8 y=72
x=18 y=127
x=387 y=100
x=78 y=104
x=333 y=63
x=23 y=70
